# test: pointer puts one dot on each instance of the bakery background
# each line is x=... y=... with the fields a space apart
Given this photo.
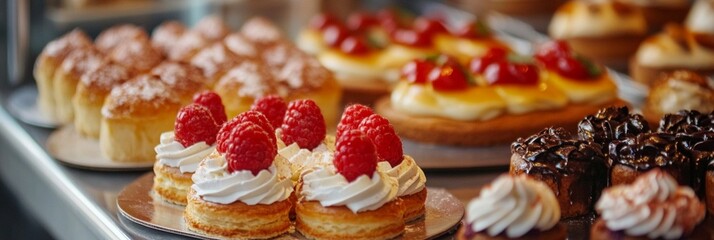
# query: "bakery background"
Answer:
x=88 y=197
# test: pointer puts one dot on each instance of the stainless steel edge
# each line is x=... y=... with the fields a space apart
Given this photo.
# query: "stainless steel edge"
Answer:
x=103 y=224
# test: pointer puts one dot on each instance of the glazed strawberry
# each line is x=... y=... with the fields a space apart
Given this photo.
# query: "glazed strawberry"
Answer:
x=194 y=124
x=354 y=45
x=549 y=53
x=352 y=117
x=272 y=107
x=333 y=35
x=361 y=21
x=572 y=68
x=248 y=147
x=505 y=73
x=323 y=20
x=389 y=146
x=417 y=71
x=448 y=77
x=255 y=117
x=213 y=102
x=478 y=65
x=355 y=155
x=303 y=124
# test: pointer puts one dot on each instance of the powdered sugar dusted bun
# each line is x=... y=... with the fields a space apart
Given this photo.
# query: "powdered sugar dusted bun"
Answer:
x=186 y=46
x=261 y=31
x=165 y=35
x=185 y=80
x=93 y=88
x=295 y=69
x=114 y=36
x=49 y=61
x=240 y=45
x=138 y=55
x=241 y=85
x=214 y=61
x=212 y=28
x=67 y=77
x=142 y=96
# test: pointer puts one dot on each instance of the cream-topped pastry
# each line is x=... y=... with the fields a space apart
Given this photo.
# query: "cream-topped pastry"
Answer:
x=676 y=47
x=596 y=19
x=664 y=3
x=653 y=206
x=364 y=71
x=479 y=103
x=512 y=206
x=410 y=177
x=521 y=100
x=171 y=153
x=365 y=193
x=701 y=17
x=680 y=90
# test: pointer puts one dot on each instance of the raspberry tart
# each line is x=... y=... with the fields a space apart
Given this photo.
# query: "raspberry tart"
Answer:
x=323 y=210
x=513 y=207
x=501 y=95
x=180 y=151
x=652 y=207
x=237 y=190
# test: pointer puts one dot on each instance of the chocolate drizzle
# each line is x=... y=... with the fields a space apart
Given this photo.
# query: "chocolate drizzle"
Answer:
x=686 y=121
x=611 y=124
x=650 y=150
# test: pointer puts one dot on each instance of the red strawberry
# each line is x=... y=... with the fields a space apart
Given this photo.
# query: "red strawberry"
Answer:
x=248 y=147
x=272 y=107
x=417 y=71
x=194 y=123
x=213 y=102
x=254 y=117
x=303 y=124
x=352 y=117
x=448 y=77
x=389 y=146
x=355 y=155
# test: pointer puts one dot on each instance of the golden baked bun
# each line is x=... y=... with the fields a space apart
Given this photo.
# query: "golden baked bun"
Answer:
x=164 y=36
x=237 y=220
x=93 y=88
x=214 y=61
x=136 y=55
x=49 y=61
x=67 y=77
x=679 y=90
x=116 y=35
x=414 y=207
x=241 y=85
x=172 y=185
x=212 y=28
x=186 y=46
x=183 y=79
x=339 y=222
x=133 y=117
x=262 y=32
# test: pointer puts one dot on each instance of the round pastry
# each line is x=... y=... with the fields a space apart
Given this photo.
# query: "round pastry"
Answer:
x=183 y=79
x=371 y=210
x=573 y=169
x=412 y=188
x=49 y=61
x=610 y=124
x=262 y=32
x=67 y=77
x=679 y=90
x=116 y=35
x=237 y=191
x=214 y=61
x=632 y=156
x=438 y=102
x=513 y=207
x=133 y=117
x=92 y=90
x=137 y=55
x=701 y=17
x=164 y=35
x=186 y=45
x=660 y=12
x=675 y=48
x=651 y=207
x=212 y=27
x=606 y=31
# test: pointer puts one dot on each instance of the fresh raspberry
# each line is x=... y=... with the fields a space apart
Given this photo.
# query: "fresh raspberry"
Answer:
x=389 y=146
x=355 y=155
x=250 y=116
x=194 y=123
x=303 y=124
x=273 y=107
x=213 y=102
x=351 y=118
x=248 y=147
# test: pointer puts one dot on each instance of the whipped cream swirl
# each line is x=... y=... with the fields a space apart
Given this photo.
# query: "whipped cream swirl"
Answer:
x=410 y=177
x=172 y=153
x=653 y=206
x=513 y=205
x=214 y=183
x=301 y=159
x=363 y=194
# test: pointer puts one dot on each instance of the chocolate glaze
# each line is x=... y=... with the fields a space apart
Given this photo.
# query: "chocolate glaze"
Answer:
x=610 y=124
x=554 y=153
x=686 y=121
x=650 y=150
x=699 y=147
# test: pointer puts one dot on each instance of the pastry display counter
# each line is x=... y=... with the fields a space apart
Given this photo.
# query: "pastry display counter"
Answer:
x=81 y=204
